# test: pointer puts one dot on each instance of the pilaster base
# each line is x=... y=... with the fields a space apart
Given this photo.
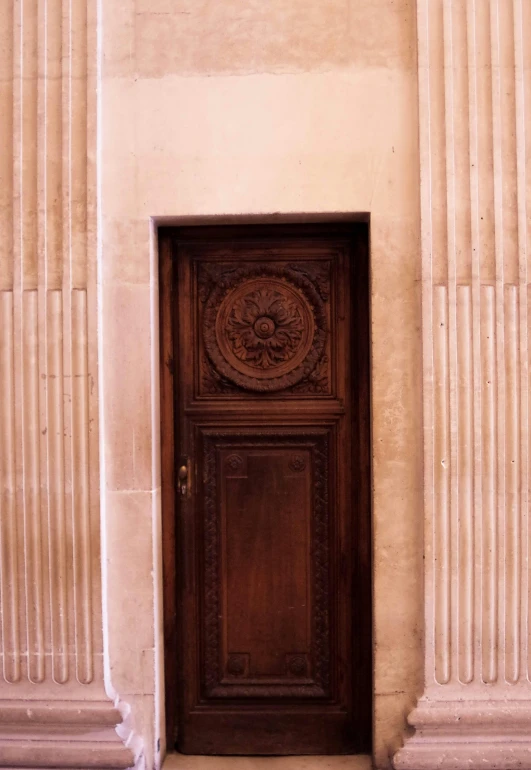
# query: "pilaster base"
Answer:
x=66 y=734
x=468 y=735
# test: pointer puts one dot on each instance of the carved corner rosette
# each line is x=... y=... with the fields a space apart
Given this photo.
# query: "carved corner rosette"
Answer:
x=212 y=383
x=318 y=273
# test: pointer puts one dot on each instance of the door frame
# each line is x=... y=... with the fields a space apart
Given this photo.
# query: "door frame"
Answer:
x=362 y=527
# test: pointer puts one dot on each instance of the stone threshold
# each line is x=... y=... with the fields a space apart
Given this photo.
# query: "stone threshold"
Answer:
x=344 y=762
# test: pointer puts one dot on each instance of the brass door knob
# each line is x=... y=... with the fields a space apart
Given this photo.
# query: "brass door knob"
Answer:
x=182 y=479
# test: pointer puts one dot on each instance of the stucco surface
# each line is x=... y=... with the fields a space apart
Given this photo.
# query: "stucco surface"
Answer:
x=212 y=110
x=186 y=37
x=119 y=115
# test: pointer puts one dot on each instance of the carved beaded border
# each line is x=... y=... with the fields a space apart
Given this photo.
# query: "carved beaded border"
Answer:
x=212 y=665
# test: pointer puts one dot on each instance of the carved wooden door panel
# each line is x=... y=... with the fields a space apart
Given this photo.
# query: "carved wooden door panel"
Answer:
x=271 y=490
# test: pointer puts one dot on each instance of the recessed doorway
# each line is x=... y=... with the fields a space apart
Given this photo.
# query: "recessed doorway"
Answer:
x=266 y=488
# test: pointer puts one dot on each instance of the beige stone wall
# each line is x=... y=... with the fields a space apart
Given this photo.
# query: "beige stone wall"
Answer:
x=205 y=110
x=119 y=115
x=475 y=141
x=53 y=705
x=252 y=109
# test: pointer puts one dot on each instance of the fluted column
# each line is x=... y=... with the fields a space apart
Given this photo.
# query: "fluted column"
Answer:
x=475 y=133
x=53 y=708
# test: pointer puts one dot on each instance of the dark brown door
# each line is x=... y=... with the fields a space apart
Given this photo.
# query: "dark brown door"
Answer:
x=268 y=640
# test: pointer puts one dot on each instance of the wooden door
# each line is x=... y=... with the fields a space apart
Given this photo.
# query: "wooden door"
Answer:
x=266 y=497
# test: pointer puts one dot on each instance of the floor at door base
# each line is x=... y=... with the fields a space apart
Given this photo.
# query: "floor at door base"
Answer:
x=346 y=762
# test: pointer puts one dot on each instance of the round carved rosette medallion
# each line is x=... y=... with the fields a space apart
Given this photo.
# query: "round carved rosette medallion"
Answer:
x=265 y=327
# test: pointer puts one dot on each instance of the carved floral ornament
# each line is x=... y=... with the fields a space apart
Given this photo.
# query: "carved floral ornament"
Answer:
x=265 y=327
x=297 y=463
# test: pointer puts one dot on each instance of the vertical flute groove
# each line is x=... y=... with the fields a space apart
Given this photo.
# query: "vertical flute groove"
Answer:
x=29 y=143
x=476 y=320
x=434 y=145
x=78 y=349
x=26 y=170
x=465 y=504
x=33 y=551
x=80 y=491
x=77 y=154
x=523 y=321
x=489 y=560
x=509 y=260
x=7 y=73
x=461 y=125
x=58 y=575
x=427 y=258
x=9 y=589
x=512 y=476
x=442 y=488
x=499 y=440
x=506 y=109
x=52 y=129
x=453 y=544
x=53 y=141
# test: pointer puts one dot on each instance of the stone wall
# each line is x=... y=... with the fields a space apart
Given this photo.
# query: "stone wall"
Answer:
x=211 y=111
x=123 y=114
x=475 y=119
x=51 y=654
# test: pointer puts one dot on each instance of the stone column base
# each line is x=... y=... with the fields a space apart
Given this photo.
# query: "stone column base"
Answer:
x=468 y=735
x=61 y=734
